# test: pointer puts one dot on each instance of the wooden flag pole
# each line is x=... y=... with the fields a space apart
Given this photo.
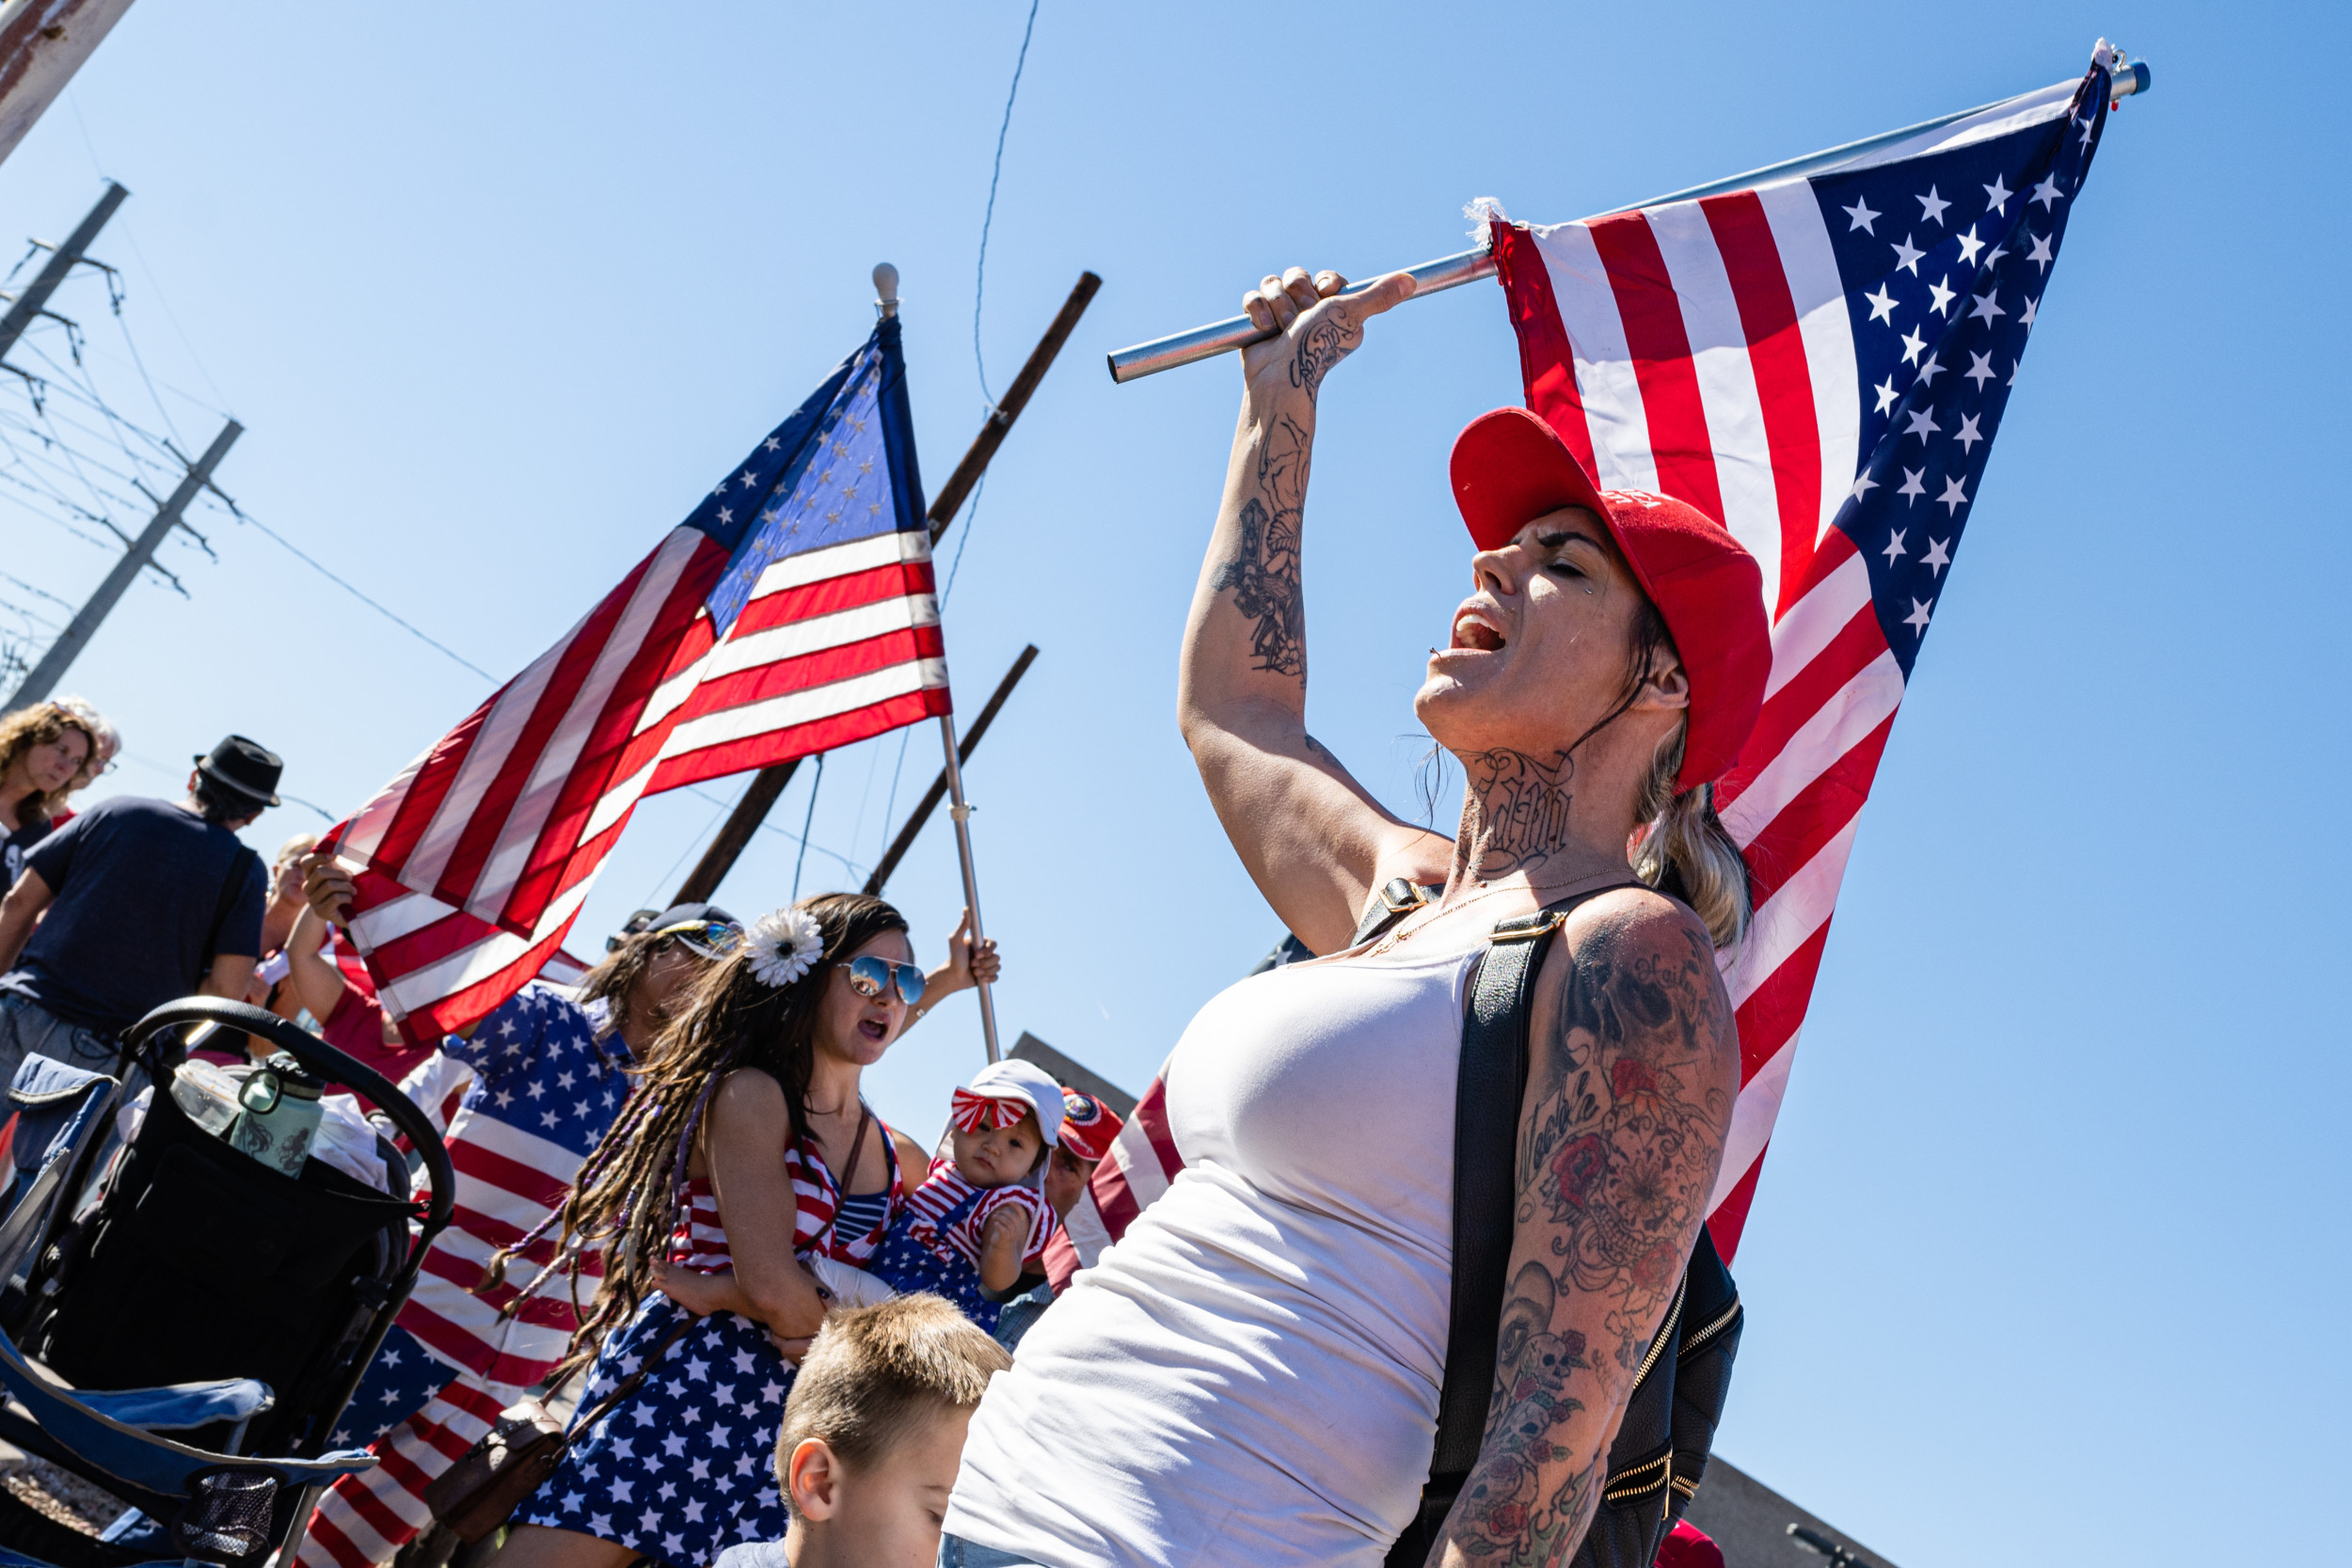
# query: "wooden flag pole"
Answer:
x=768 y=787
x=743 y=821
x=1009 y=407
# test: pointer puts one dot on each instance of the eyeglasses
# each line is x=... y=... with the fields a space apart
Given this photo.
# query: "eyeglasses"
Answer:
x=712 y=939
x=871 y=977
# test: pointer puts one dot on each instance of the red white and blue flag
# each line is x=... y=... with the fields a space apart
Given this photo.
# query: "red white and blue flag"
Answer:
x=793 y=612
x=1820 y=363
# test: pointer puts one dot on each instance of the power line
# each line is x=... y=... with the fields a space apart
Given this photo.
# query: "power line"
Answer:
x=979 y=282
x=291 y=548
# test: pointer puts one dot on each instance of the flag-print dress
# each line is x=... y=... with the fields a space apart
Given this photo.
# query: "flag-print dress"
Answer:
x=542 y=1083
x=685 y=1467
x=934 y=1244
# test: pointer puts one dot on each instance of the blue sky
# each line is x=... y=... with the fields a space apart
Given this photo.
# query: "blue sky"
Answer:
x=2053 y=1210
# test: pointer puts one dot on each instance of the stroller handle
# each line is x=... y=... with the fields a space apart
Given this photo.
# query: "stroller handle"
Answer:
x=329 y=1062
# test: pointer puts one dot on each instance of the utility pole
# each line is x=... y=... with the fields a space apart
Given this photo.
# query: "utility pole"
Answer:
x=26 y=306
x=42 y=43
x=54 y=664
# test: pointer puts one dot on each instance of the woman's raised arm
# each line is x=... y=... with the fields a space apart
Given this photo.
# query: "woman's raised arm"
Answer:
x=1313 y=839
x=1633 y=1070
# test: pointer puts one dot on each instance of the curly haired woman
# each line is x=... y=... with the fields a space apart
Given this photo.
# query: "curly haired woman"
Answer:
x=695 y=1176
x=45 y=754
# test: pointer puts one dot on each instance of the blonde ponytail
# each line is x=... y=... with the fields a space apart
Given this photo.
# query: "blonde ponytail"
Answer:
x=1688 y=838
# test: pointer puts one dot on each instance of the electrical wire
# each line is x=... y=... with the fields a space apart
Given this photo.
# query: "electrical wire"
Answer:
x=294 y=551
x=979 y=362
x=807 y=822
x=980 y=281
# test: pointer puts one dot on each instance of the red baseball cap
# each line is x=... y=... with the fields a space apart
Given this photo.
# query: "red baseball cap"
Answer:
x=1510 y=468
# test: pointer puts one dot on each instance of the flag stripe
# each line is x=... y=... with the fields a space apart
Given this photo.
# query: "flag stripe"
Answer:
x=527 y=866
x=1817 y=294
x=1654 y=335
x=1608 y=392
x=1781 y=381
x=1733 y=422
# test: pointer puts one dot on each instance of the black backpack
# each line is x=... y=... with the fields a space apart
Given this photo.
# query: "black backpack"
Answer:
x=1678 y=1397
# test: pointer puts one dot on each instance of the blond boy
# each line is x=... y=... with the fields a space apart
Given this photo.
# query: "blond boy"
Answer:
x=872 y=1434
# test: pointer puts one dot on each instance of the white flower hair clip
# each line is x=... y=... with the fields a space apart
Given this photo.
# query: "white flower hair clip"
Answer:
x=784 y=944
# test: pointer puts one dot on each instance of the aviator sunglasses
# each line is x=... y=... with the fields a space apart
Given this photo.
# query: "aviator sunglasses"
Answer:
x=871 y=977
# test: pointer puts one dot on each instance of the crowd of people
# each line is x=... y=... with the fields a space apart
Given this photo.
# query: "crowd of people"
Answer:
x=774 y=1310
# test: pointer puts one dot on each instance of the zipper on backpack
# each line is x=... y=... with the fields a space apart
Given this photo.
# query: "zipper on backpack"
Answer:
x=1722 y=1322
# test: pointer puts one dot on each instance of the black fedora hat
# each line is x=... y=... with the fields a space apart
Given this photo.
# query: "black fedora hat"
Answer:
x=246 y=766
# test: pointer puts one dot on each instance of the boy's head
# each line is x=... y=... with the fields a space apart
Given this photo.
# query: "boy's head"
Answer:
x=1003 y=1121
x=873 y=1430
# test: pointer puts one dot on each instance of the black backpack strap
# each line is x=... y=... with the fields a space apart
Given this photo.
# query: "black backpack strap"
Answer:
x=1489 y=1083
x=1390 y=905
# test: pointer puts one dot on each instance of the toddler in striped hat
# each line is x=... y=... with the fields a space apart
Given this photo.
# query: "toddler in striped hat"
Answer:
x=968 y=1231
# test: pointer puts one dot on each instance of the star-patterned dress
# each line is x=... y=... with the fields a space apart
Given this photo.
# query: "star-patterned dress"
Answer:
x=685 y=1467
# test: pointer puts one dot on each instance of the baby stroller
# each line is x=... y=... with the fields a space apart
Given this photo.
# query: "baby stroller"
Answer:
x=213 y=1297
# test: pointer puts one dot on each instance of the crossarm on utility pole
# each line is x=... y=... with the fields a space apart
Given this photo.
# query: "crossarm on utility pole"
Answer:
x=54 y=664
x=938 y=791
x=28 y=305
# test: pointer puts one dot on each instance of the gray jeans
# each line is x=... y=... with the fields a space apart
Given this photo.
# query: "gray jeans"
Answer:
x=29 y=1029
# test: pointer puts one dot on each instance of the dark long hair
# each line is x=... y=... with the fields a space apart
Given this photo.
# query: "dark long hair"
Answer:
x=625 y=1200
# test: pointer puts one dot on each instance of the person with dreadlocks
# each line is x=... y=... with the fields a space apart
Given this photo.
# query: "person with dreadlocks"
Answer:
x=733 y=1155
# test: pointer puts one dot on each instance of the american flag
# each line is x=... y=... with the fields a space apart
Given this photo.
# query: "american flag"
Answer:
x=793 y=612
x=1820 y=363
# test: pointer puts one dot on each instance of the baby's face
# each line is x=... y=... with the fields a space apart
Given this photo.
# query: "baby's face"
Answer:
x=998 y=1156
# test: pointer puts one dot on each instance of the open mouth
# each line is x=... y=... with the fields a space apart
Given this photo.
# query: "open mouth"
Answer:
x=873 y=1030
x=1473 y=630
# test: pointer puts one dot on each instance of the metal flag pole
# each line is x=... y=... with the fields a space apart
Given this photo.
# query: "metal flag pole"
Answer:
x=1450 y=272
x=960 y=810
x=886 y=288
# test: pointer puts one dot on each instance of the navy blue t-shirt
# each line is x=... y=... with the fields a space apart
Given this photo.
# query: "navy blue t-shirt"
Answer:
x=137 y=887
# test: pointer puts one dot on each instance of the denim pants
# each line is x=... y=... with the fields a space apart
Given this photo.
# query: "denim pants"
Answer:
x=955 y=1552
x=29 y=1029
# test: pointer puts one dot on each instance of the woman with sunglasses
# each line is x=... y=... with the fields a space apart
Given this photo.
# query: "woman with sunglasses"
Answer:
x=744 y=1147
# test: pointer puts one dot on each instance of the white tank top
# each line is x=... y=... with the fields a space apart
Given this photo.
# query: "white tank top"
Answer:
x=1251 y=1373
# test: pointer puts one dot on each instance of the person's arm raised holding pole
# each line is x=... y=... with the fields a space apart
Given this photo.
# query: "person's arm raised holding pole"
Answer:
x=1315 y=839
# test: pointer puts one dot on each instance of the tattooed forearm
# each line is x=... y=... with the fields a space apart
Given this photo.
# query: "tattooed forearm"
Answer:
x=1515 y=814
x=1627 y=1104
x=1325 y=344
x=1265 y=570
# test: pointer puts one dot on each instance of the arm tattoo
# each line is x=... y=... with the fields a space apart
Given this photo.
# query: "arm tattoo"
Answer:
x=1263 y=572
x=1621 y=1133
x=1325 y=344
x=1515 y=814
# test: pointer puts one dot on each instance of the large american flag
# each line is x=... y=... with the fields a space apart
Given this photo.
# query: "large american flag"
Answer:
x=793 y=612
x=1820 y=363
